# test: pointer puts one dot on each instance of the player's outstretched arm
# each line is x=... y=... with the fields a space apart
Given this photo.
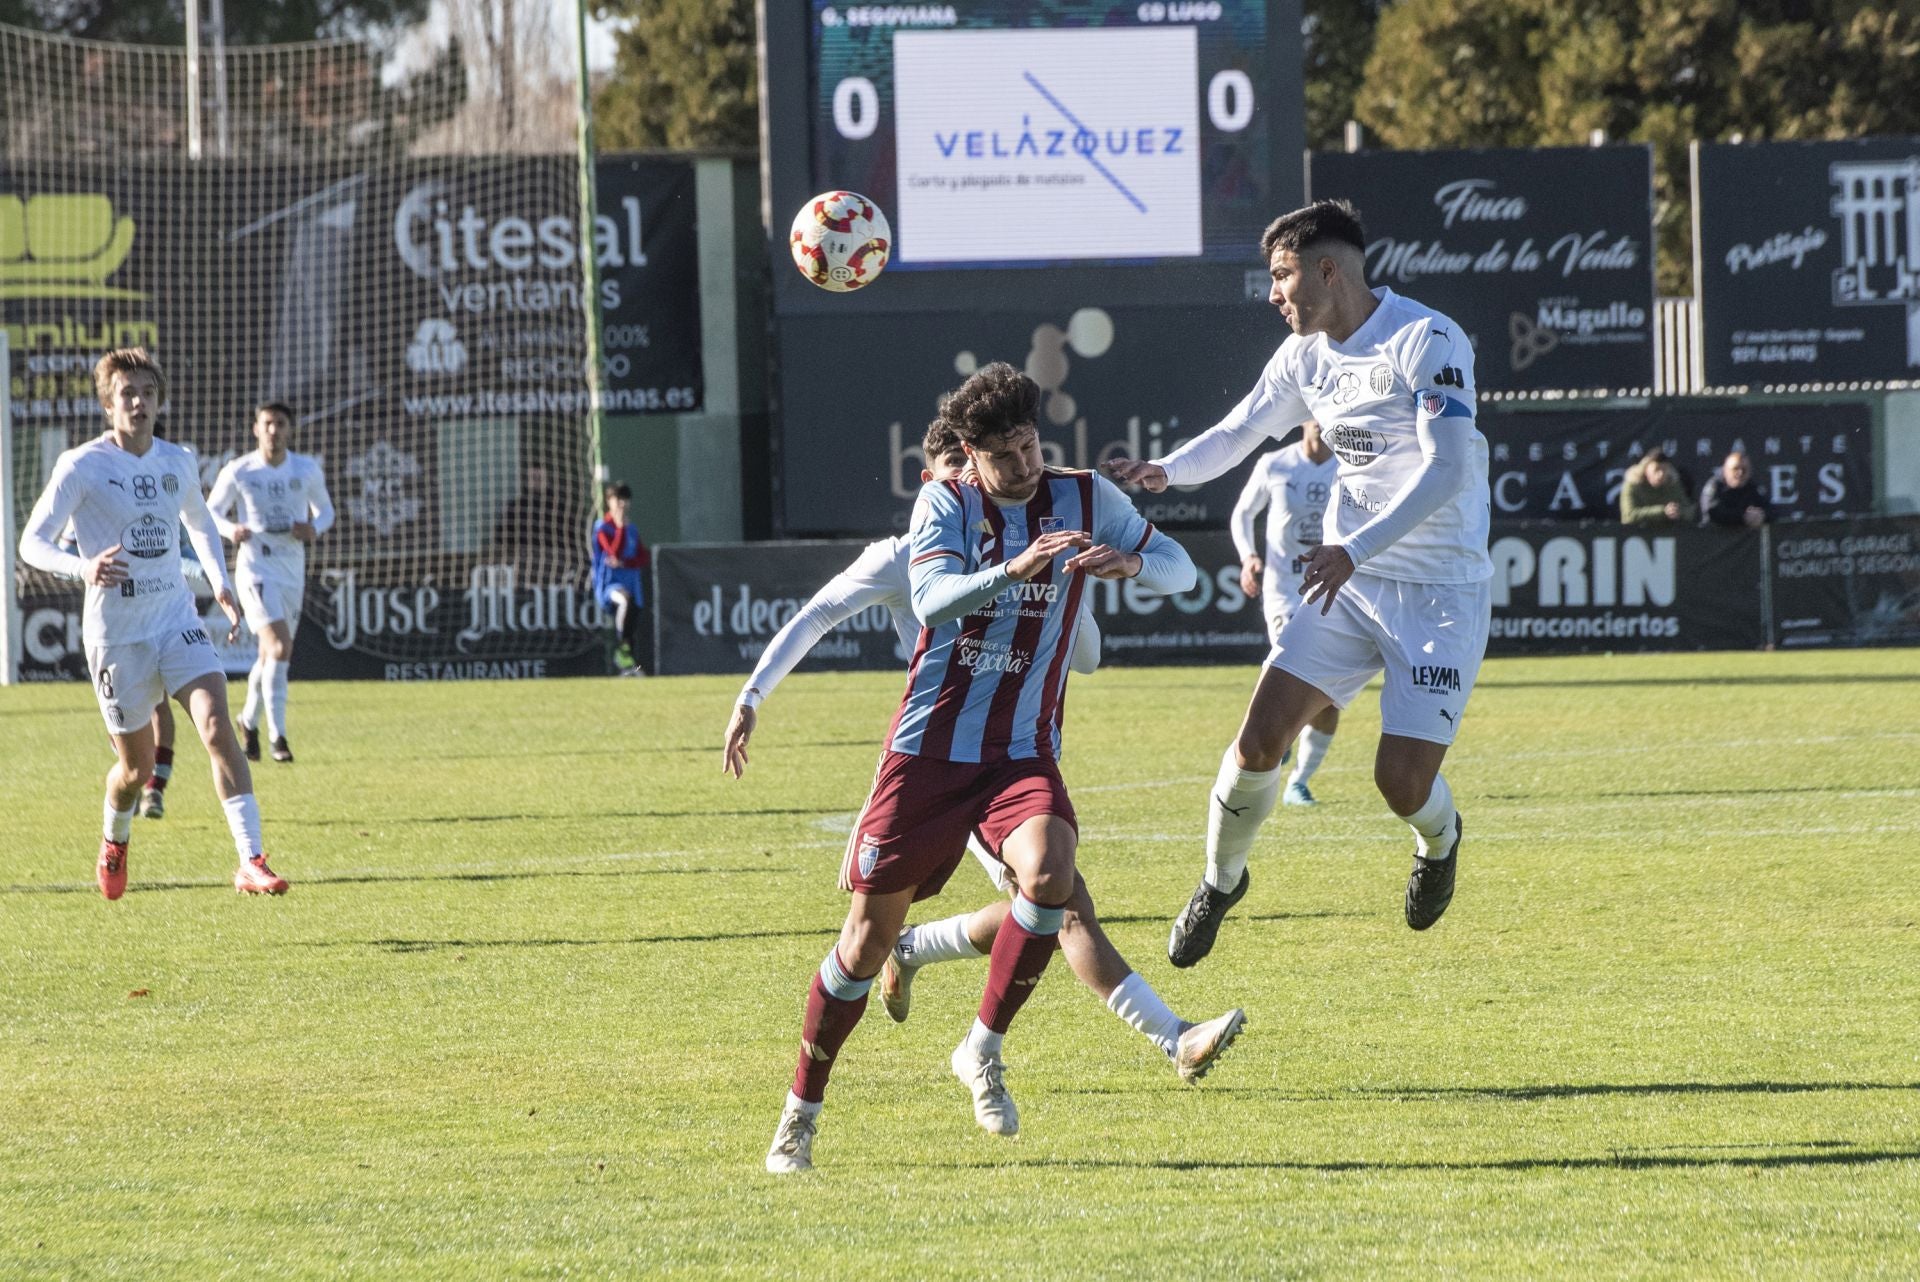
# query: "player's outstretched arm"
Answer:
x=845 y=595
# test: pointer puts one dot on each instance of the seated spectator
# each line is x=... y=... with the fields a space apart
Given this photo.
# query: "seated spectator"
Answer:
x=1652 y=494
x=618 y=558
x=1731 y=498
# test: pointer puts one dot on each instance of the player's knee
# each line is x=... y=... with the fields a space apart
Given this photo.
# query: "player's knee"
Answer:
x=1258 y=750
x=864 y=948
x=1402 y=789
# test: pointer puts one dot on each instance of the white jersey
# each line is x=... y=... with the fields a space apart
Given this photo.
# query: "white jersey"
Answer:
x=878 y=577
x=1406 y=369
x=271 y=500
x=1292 y=490
x=137 y=501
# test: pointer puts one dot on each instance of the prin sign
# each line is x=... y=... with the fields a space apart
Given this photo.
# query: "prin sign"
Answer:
x=531 y=264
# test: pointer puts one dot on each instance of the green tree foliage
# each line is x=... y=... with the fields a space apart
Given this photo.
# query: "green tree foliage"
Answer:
x=1519 y=73
x=684 y=76
x=1339 y=35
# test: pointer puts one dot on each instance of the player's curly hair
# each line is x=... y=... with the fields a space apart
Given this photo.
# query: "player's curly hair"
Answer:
x=1323 y=220
x=996 y=400
x=941 y=438
x=125 y=360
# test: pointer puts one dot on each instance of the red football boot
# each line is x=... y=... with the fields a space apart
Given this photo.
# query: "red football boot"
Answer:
x=254 y=878
x=112 y=869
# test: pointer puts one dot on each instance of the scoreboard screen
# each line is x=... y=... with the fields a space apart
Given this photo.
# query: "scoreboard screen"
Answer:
x=1093 y=138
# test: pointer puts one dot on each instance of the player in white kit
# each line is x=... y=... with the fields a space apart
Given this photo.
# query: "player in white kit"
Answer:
x=283 y=506
x=1400 y=582
x=127 y=494
x=1291 y=485
x=879 y=577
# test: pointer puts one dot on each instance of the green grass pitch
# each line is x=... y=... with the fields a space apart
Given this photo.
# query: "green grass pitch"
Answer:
x=533 y=1002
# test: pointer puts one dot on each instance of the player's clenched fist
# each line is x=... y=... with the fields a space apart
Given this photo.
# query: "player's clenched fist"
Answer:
x=1150 y=477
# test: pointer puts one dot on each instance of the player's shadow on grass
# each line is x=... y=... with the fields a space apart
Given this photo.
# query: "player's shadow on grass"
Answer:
x=414 y=821
x=462 y=945
x=369 y=879
x=1703 y=1157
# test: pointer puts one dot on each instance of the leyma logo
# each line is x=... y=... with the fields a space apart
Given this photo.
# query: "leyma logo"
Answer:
x=62 y=245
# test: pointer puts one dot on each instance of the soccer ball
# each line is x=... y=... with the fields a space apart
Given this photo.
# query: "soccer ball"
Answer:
x=840 y=241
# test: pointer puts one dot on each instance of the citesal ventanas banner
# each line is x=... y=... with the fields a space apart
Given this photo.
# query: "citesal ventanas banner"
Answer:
x=1809 y=261
x=1544 y=256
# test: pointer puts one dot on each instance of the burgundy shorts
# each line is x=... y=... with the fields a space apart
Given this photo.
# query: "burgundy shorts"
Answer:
x=913 y=829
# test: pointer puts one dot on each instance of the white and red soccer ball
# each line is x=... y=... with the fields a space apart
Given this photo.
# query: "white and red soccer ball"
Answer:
x=840 y=241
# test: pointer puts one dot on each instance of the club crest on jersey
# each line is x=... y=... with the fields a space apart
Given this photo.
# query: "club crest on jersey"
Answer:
x=1380 y=379
x=868 y=857
x=170 y=483
x=1433 y=404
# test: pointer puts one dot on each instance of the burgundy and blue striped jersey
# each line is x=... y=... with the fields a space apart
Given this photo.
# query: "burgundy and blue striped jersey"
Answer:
x=989 y=675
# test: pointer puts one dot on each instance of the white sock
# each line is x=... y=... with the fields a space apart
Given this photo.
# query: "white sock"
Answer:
x=118 y=823
x=807 y=1108
x=1134 y=1001
x=1230 y=833
x=1433 y=822
x=250 y=712
x=937 y=941
x=273 y=686
x=243 y=820
x=1309 y=752
x=983 y=1041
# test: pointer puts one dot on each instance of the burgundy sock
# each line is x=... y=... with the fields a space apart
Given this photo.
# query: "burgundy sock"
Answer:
x=1019 y=956
x=822 y=1033
x=162 y=769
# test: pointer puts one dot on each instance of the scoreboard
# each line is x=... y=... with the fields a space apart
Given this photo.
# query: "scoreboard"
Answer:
x=1065 y=149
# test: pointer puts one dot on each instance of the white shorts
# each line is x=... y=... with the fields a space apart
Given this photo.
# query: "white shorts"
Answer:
x=131 y=677
x=1428 y=637
x=265 y=601
x=1280 y=603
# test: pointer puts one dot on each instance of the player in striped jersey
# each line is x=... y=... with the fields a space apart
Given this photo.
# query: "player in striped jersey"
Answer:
x=998 y=572
x=879 y=577
x=1400 y=578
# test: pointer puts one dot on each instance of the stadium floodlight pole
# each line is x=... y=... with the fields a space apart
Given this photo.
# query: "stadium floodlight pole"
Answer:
x=222 y=141
x=193 y=79
x=10 y=606
x=589 y=257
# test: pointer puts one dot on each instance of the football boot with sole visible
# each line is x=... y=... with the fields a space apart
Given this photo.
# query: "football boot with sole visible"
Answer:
x=1199 y=922
x=254 y=878
x=792 y=1142
x=987 y=1079
x=1205 y=1043
x=112 y=868
x=1430 y=887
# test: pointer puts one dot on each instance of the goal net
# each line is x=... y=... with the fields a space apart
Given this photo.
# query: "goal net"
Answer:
x=385 y=236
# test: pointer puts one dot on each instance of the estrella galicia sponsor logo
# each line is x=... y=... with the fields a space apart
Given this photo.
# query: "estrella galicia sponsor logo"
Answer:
x=1437 y=680
x=1354 y=445
x=149 y=536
